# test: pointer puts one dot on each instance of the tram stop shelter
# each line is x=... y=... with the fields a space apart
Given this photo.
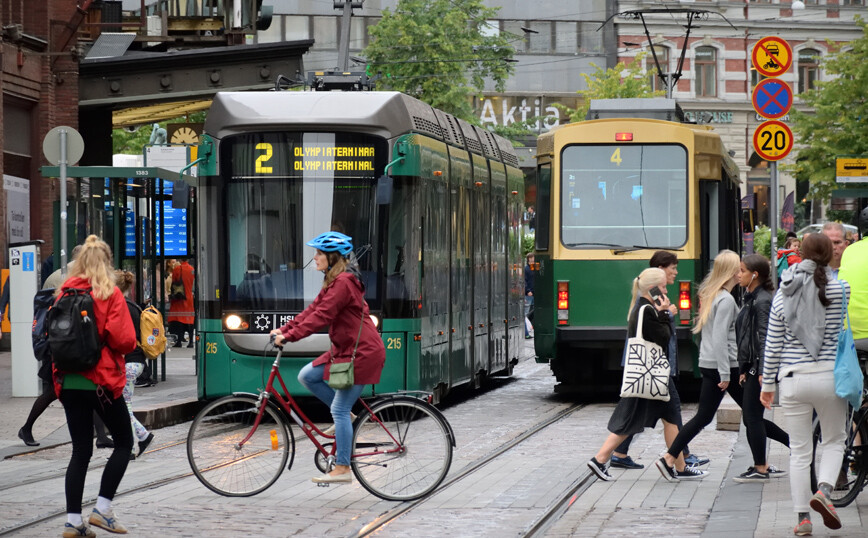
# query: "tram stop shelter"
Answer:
x=142 y=213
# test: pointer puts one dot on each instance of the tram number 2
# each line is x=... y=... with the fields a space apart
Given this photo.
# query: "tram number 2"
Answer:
x=268 y=151
x=211 y=348
x=778 y=138
x=393 y=343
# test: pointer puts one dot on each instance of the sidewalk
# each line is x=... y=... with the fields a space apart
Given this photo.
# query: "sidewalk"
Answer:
x=169 y=402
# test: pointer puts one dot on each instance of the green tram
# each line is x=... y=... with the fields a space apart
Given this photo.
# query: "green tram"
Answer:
x=610 y=192
x=432 y=203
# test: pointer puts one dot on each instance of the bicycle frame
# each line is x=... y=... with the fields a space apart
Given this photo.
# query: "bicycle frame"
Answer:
x=289 y=406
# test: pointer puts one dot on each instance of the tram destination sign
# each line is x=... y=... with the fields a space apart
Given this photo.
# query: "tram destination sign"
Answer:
x=289 y=159
x=851 y=170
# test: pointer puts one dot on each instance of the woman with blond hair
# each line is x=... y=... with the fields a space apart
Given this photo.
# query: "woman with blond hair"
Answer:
x=718 y=354
x=99 y=390
x=632 y=415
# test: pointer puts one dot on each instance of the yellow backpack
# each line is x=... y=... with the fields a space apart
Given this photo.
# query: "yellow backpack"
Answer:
x=152 y=335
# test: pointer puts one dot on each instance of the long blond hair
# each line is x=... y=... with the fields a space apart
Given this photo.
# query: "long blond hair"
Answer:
x=94 y=264
x=726 y=263
x=647 y=279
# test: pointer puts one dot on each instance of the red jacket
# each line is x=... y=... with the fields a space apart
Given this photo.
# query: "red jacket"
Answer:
x=342 y=308
x=184 y=273
x=117 y=335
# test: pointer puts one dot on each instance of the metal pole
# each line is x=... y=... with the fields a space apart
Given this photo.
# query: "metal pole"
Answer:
x=773 y=217
x=63 y=163
x=344 y=50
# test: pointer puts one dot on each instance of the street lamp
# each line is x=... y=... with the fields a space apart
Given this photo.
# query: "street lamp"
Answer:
x=797 y=4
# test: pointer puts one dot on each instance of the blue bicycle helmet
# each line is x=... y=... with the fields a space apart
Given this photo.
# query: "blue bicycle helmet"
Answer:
x=332 y=242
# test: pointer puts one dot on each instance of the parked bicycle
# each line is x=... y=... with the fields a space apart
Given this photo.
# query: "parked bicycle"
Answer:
x=239 y=445
x=854 y=467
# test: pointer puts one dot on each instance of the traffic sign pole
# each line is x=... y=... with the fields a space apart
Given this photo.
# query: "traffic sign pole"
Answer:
x=63 y=163
x=773 y=221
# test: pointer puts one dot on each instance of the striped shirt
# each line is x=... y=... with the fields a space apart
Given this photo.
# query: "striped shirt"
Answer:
x=784 y=353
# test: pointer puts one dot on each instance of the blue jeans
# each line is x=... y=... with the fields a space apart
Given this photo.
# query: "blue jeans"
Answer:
x=339 y=401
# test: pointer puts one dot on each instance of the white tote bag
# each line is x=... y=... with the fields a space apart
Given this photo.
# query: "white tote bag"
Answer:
x=646 y=368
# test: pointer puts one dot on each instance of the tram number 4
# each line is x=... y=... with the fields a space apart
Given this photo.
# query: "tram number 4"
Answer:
x=393 y=343
x=616 y=157
x=211 y=348
x=779 y=138
x=264 y=158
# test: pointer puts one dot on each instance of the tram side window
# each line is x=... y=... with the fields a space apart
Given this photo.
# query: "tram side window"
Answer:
x=543 y=206
x=624 y=196
x=403 y=249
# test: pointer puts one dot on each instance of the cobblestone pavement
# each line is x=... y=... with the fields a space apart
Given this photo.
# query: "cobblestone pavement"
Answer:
x=501 y=499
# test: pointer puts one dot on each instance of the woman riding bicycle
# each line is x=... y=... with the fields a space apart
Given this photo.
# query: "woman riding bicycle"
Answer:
x=340 y=305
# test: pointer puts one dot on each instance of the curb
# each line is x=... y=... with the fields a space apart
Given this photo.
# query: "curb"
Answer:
x=176 y=412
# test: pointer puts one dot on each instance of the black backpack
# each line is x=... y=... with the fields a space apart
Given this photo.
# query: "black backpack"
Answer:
x=72 y=333
x=177 y=292
x=42 y=303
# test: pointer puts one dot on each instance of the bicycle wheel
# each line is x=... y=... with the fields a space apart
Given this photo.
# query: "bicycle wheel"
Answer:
x=403 y=451
x=854 y=466
x=238 y=471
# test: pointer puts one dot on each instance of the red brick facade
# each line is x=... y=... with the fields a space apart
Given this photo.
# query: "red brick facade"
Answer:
x=39 y=83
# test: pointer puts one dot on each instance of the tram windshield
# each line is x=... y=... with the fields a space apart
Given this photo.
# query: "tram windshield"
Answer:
x=285 y=188
x=630 y=196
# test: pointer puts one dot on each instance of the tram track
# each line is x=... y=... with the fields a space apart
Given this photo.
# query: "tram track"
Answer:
x=550 y=515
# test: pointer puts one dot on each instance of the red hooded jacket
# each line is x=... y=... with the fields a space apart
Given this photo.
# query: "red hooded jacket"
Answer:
x=117 y=334
x=342 y=308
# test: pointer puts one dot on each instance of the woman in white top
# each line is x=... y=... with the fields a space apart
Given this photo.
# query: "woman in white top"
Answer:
x=801 y=345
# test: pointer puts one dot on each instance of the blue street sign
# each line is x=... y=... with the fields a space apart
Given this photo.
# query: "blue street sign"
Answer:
x=772 y=98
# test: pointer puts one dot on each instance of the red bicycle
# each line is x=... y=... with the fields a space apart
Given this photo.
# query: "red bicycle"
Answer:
x=239 y=445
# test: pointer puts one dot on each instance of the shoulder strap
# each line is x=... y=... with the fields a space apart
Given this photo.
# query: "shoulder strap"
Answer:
x=845 y=301
x=639 y=321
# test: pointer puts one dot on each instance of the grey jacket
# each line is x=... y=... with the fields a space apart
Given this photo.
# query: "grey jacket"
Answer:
x=718 y=349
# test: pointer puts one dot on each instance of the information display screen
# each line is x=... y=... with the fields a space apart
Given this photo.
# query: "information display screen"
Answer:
x=174 y=225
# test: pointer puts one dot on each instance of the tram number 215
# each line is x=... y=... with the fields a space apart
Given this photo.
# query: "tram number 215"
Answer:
x=393 y=343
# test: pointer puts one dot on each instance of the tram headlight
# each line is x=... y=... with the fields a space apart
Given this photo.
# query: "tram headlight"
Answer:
x=233 y=322
x=376 y=321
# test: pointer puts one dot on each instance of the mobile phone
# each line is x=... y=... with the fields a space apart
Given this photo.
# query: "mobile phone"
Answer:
x=657 y=295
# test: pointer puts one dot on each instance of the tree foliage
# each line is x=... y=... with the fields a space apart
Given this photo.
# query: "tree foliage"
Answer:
x=437 y=51
x=619 y=82
x=836 y=123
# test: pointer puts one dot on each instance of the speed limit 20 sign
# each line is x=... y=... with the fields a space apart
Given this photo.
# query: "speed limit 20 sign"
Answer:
x=772 y=140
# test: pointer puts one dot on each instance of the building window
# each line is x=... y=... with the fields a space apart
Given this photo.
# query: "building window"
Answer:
x=566 y=37
x=541 y=37
x=491 y=28
x=852 y=2
x=663 y=58
x=705 y=66
x=297 y=28
x=756 y=77
x=809 y=69
x=516 y=35
x=325 y=32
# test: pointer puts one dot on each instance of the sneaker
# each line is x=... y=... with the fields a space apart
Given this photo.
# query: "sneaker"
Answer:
x=824 y=507
x=599 y=469
x=805 y=528
x=774 y=472
x=343 y=478
x=696 y=461
x=71 y=531
x=143 y=445
x=107 y=522
x=690 y=473
x=752 y=475
x=625 y=463
x=669 y=473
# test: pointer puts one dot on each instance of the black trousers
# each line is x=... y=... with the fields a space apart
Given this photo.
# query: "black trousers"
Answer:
x=710 y=397
x=755 y=426
x=80 y=406
x=674 y=401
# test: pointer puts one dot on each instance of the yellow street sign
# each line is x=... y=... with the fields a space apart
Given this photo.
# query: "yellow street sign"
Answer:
x=772 y=140
x=772 y=56
x=851 y=170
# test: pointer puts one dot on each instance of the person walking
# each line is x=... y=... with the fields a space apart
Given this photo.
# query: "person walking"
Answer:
x=341 y=306
x=181 y=318
x=528 y=294
x=750 y=334
x=800 y=351
x=717 y=358
x=620 y=458
x=632 y=415
x=99 y=390
x=135 y=362
x=835 y=232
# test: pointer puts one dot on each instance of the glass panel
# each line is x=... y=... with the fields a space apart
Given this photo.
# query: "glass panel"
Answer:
x=325 y=32
x=519 y=41
x=491 y=28
x=566 y=37
x=296 y=28
x=543 y=205
x=16 y=120
x=273 y=34
x=630 y=195
x=542 y=40
x=591 y=39
x=283 y=190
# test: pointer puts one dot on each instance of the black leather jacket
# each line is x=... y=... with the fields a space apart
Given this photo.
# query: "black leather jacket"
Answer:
x=751 y=327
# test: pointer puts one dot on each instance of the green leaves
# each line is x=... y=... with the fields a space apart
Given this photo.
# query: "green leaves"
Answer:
x=439 y=51
x=836 y=126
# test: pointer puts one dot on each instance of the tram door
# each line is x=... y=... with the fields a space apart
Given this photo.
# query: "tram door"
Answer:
x=434 y=367
x=497 y=226
x=481 y=231
x=461 y=365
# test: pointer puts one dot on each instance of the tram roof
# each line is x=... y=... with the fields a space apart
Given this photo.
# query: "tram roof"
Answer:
x=386 y=114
